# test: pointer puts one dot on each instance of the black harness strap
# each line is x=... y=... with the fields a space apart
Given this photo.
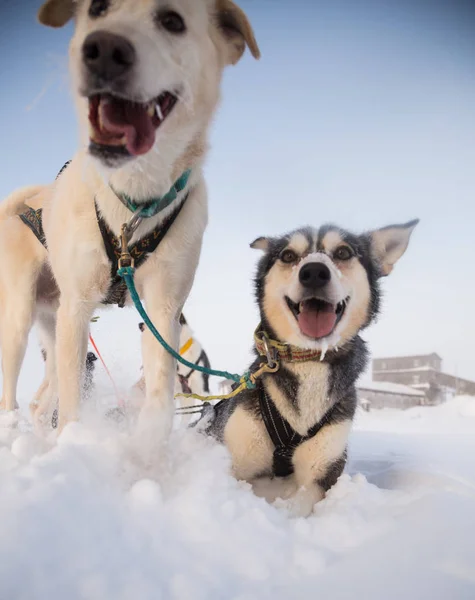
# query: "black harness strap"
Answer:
x=197 y=362
x=33 y=219
x=283 y=436
x=139 y=251
x=185 y=387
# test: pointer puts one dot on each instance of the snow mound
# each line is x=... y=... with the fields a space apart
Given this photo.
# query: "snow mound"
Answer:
x=83 y=519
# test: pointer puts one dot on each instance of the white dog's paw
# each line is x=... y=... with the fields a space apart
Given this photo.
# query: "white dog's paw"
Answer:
x=301 y=504
x=152 y=430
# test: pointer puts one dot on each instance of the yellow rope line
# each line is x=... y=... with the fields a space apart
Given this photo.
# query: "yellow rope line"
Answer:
x=264 y=368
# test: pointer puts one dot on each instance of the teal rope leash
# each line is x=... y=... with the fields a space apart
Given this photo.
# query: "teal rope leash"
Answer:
x=127 y=274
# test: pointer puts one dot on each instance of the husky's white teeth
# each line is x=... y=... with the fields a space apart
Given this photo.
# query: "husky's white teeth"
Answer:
x=324 y=350
x=151 y=109
x=158 y=110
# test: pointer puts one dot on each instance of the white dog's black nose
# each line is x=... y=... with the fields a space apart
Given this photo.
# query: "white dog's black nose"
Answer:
x=314 y=275
x=107 y=55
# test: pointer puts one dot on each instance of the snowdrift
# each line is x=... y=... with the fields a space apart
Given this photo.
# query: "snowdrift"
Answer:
x=82 y=519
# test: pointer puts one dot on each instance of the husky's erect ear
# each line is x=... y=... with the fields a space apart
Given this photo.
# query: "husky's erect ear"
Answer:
x=56 y=13
x=389 y=244
x=237 y=30
x=261 y=243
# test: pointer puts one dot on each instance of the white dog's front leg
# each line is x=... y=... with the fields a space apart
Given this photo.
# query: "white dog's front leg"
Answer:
x=156 y=415
x=71 y=347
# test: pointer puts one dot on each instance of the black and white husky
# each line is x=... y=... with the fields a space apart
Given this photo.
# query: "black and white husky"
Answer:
x=316 y=290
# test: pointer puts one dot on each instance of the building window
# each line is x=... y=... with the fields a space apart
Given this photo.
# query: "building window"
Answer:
x=416 y=362
x=416 y=379
x=383 y=365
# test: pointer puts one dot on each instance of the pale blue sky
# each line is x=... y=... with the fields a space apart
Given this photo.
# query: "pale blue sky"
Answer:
x=361 y=113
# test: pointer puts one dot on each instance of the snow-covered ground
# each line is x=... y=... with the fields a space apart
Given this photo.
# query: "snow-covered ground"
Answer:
x=82 y=519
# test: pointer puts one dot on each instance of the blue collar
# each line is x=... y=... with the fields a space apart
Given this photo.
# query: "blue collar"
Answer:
x=155 y=205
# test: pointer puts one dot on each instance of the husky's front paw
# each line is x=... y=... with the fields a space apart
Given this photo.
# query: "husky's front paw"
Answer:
x=301 y=504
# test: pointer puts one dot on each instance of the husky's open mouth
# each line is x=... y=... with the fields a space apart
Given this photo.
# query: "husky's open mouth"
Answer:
x=123 y=127
x=316 y=318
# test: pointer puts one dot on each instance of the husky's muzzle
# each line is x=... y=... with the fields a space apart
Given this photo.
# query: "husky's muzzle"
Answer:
x=322 y=302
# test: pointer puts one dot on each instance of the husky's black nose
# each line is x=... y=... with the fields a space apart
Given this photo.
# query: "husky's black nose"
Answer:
x=107 y=55
x=314 y=275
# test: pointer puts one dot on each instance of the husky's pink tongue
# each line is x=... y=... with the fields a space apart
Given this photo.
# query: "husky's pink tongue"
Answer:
x=316 y=323
x=131 y=120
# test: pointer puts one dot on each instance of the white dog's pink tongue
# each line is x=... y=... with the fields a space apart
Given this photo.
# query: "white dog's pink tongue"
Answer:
x=128 y=119
x=316 y=323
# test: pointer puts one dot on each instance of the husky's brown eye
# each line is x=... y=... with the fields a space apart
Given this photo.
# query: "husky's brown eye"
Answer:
x=171 y=21
x=343 y=253
x=288 y=256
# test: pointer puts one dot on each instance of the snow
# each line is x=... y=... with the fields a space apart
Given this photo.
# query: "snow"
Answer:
x=389 y=388
x=84 y=519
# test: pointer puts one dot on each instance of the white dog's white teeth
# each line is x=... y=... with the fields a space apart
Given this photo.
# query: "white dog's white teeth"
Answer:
x=151 y=109
x=158 y=110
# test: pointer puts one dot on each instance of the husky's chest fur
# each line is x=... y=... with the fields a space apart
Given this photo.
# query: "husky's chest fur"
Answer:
x=301 y=393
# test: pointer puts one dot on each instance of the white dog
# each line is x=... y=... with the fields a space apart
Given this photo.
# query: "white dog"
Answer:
x=146 y=77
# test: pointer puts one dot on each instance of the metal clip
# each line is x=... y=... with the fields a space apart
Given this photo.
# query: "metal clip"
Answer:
x=270 y=355
x=125 y=259
x=126 y=233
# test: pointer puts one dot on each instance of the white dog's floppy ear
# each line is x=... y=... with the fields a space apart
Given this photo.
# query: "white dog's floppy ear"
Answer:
x=56 y=13
x=262 y=243
x=237 y=30
x=389 y=244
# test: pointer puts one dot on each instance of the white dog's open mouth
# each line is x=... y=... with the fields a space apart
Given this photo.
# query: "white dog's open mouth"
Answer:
x=316 y=318
x=126 y=126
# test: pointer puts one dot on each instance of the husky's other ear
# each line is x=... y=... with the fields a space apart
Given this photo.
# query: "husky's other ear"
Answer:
x=261 y=243
x=56 y=13
x=389 y=244
x=237 y=30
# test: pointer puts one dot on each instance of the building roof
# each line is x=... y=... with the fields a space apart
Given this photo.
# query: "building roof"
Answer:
x=411 y=369
x=387 y=387
x=431 y=355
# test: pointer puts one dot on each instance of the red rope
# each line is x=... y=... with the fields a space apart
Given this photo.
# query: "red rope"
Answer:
x=120 y=400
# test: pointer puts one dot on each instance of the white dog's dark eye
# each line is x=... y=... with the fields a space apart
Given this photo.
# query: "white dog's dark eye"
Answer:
x=98 y=8
x=343 y=253
x=288 y=256
x=171 y=21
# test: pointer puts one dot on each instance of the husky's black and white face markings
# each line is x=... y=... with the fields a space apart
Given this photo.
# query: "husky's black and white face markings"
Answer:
x=316 y=289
